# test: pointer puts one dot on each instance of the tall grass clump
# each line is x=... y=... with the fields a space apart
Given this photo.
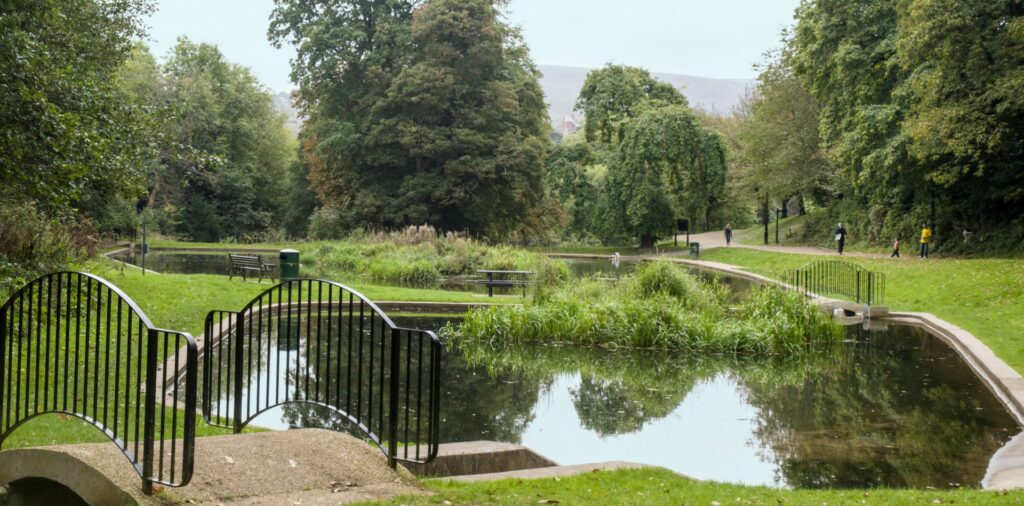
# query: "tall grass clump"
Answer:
x=416 y=257
x=661 y=306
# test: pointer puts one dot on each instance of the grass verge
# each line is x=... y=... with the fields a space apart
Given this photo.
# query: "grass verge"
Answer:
x=181 y=301
x=985 y=296
x=661 y=487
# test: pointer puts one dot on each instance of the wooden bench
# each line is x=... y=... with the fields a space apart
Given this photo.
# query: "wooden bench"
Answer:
x=245 y=264
x=512 y=278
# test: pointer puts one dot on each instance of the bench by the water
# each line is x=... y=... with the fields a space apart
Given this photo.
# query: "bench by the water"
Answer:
x=506 y=278
x=245 y=264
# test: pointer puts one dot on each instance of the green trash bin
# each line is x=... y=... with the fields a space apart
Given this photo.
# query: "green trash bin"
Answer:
x=695 y=249
x=288 y=263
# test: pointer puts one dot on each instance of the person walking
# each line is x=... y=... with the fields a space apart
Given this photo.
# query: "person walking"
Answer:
x=895 y=249
x=926 y=238
x=728 y=234
x=840 y=237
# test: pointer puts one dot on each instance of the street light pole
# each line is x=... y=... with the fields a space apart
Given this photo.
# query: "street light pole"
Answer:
x=765 y=218
x=778 y=213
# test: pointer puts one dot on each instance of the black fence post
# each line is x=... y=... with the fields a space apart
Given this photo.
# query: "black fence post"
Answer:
x=869 y=288
x=396 y=338
x=236 y=341
x=150 y=420
x=858 y=287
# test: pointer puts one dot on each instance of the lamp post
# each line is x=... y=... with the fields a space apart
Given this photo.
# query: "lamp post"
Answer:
x=778 y=214
x=765 y=214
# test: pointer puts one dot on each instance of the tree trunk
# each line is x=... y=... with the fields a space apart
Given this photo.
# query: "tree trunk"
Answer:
x=647 y=241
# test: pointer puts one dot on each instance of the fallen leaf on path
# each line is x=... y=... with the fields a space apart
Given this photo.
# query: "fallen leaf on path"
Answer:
x=292 y=463
x=229 y=460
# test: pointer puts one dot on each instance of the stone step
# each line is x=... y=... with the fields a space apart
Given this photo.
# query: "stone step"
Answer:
x=480 y=457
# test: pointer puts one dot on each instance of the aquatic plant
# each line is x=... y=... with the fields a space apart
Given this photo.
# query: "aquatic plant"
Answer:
x=661 y=306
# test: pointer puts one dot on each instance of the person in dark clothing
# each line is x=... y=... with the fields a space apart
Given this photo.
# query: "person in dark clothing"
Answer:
x=895 y=249
x=840 y=237
x=728 y=234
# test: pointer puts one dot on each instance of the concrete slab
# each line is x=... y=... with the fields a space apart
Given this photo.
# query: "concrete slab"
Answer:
x=310 y=466
x=551 y=472
x=481 y=457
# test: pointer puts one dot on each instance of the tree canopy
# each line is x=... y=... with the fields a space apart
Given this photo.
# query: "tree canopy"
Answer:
x=431 y=113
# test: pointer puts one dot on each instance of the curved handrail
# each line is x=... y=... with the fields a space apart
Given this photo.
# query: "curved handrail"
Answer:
x=331 y=347
x=76 y=344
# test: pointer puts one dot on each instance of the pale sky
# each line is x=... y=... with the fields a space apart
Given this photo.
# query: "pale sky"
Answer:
x=710 y=38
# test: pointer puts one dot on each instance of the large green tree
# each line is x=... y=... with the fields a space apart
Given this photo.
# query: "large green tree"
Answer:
x=429 y=114
x=921 y=109
x=612 y=96
x=780 y=141
x=222 y=153
x=65 y=129
x=669 y=167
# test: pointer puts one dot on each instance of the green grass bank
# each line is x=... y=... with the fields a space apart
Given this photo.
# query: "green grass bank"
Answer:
x=985 y=296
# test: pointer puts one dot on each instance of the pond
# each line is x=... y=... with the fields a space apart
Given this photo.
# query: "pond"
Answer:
x=188 y=262
x=895 y=408
x=200 y=262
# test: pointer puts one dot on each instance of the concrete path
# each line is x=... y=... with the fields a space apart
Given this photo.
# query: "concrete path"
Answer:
x=307 y=466
x=716 y=239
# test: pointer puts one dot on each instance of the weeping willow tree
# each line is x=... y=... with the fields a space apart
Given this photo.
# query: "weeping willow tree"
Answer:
x=669 y=167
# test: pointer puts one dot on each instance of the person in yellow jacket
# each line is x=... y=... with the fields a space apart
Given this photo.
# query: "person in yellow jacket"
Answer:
x=926 y=238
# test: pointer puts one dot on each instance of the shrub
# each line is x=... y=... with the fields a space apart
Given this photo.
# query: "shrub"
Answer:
x=661 y=306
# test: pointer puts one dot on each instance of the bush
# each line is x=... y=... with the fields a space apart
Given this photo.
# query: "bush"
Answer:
x=661 y=306
x=32 y=245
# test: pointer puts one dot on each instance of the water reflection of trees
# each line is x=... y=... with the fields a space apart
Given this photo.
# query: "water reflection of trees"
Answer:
x=897 y=409
x=902 y=411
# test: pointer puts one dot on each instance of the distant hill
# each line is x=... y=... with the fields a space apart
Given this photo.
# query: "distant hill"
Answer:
x=562 y=85
x=283 y=103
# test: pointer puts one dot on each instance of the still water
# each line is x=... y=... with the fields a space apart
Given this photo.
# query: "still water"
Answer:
x=896 y=408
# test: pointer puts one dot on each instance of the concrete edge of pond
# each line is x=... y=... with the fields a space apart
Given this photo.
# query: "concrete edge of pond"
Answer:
x=1006 y=468
x=558 y=471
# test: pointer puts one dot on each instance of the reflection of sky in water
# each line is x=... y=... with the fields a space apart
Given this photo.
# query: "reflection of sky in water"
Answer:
x=709 y=436
x=896 y=408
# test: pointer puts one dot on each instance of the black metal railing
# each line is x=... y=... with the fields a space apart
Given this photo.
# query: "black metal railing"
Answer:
x=322 y=344
x=834 y=277
x=73 y=343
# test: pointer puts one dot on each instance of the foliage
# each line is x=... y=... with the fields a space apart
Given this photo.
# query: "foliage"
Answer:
x=419 y=258
x=65 y=129
x=780 y=139
x=979 y=295
x=613 y=96
x=222 y=151
x=31 y=244
x=669 y=166
x=660 y=307
x=418 y=113
x=921 y=110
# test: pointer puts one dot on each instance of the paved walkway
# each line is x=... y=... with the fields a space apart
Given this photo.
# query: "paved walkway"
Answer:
x=716 y=239
x=307 y=466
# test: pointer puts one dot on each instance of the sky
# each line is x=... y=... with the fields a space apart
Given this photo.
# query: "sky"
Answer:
x=709 y=38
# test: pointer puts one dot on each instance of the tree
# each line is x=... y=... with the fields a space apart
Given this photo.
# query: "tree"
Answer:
x=780 y=139
x=65 y=129
x=669 y=166
x=432 y=113
x=219 y=152
x=614 y=95
x=921 y=104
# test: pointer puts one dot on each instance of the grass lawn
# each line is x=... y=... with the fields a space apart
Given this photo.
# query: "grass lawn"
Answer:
x=984 y=296
x=181 y=301
x=662 y=487
x=57 y=429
